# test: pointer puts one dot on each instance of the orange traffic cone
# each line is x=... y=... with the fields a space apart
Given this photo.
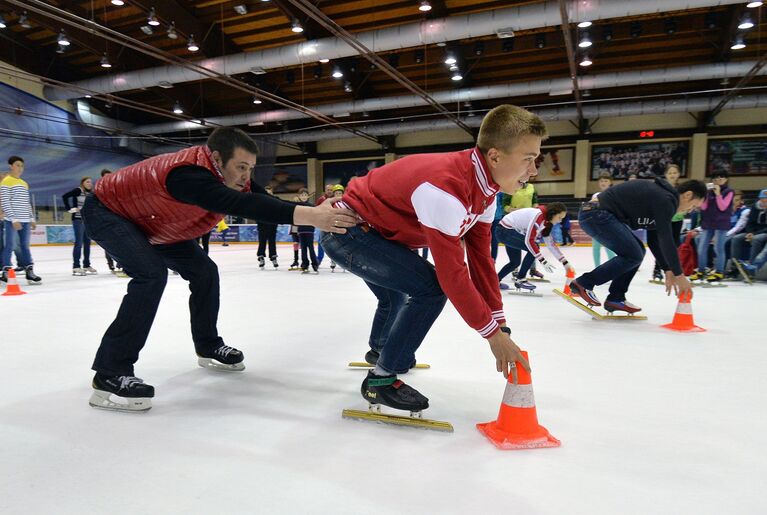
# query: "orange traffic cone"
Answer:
x=683 y=317
x=570 y=276
x=13 y=285
x=517 y=425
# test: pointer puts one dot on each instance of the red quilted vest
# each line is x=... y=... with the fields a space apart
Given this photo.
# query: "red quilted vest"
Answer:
x=138 y=193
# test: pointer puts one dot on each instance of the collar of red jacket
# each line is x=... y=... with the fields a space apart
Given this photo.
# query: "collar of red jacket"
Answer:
x=484 y=179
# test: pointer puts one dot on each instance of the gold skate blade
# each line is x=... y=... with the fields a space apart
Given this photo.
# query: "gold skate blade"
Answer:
x=594 y=314
x=523 y=293
x=365 y=364
x=743 y=272
x=398 y=420
x=538 y=280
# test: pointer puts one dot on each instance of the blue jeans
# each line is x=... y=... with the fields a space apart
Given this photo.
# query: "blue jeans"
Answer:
x=409 y=295
x=493 y=239
x=515 y=244
x=603 y=226
x=24 y=257
x=82 y=245
x=147 y=265
x=704 y=240
x=320 y=252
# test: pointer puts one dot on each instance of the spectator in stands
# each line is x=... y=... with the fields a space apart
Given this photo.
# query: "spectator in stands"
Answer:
x=738 y=222
x=715 y=222
x=73 y=202
x=18 y=219
x=755 y=234
x=306 y=238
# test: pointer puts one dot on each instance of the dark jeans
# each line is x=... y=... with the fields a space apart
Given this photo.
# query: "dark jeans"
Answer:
x=307 y=250
x=409 y=295
x=82 y=245
x=204 y=240
x=267 y=233
x=147 y=265
x=493 y=239
x=24 y=256
x=603 y=226
x=515 y=244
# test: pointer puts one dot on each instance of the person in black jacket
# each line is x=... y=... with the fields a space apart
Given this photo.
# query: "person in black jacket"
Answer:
x=611 y=218
x=755 y=234
x=267 y=234
x=73 y=202
x=306 y=238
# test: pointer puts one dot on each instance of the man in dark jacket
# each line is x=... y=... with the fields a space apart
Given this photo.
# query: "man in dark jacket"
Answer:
x=755 y=233
x=611 y=218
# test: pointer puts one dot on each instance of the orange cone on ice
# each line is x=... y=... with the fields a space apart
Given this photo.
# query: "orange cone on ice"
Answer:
x=683 y=320
x=517 y=425
x=13 y=285
x=570 y=276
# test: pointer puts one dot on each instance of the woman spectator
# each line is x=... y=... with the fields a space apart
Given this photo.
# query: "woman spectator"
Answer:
x=715 y=222
x=73 y=202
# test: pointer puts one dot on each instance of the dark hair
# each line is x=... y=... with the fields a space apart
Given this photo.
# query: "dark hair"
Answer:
x=698 y=188
x=105 y=172
x=552 y=210
x=605 y=175
x=226 y=139
x=13 y=159
x=720 y=173
x=303 y=190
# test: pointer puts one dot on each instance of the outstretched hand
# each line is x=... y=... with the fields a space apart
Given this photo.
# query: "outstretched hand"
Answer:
x=507 y=355
x=326 y=217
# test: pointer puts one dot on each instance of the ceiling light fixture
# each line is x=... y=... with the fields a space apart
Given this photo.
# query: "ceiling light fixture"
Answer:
x=586 y=61
x=585 y=41
x=456 y=76
x=152 y=19
x=424 y=7
x=348 y=87
x=296 y=27
x=2 y=22
x=105 y=61
x=118 y=3
x=63 y=40
x=337 y=73
x=241 y=9
x=172 y=34
x=450 y=59
x=24 y=20
x=324 y=61
x=257 y=100
x=177 y=108
x=584 y=24
x=751 y=5
x=191 y=45
x=540 y=41
x=738 y=44
x=746 y=22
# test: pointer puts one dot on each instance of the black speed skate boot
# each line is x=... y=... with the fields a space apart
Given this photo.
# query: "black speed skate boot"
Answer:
x=121 y=393
x=32 y=278
x=261 y=262
x=4 y=277
x=274 y=261
x=390 y=391
x=223 y=358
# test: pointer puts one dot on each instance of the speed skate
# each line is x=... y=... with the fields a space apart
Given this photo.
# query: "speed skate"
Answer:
x=415 y=419
x=594 y=314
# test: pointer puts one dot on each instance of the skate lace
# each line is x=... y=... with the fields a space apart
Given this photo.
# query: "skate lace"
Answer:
x=224 y=351
x=127 y=381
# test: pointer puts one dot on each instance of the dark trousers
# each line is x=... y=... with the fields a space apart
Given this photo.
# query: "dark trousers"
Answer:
x=307 y=250
x=494 y=239
x=204 y=240
x=147 y=265
x=82 y=245
x=603 y=226
x=409 y=295
x=514 y=243
x=267 y=234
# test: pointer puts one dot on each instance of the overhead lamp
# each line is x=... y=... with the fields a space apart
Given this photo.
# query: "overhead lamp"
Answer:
x=241 y=9
x=191 y=45
x=751 y=5
x=711 y=20
x=152 y=19
x=540 y=41
x=296 y=27
x=454 y=67
x=2 y=22
x=746 y=22
x=479 y=48
x=146 y=29
x=105 y=61
x=419 y=56
x=450 y=58
x=337 y=73
x=607 y=32
x=118 y=3
x=586 y=61
x=669 y=26
x=24 y=20
x=424 y=7
x=456 y=76
x=348 y=86
x=584 y=24
x=60 y=49
x=635 y=29
x=172 y=34
x=88 y=96
x=585 y=41
x=63 y=40
x=177 y=108
x=257 y=100
x=324 y=60
x=738 y=44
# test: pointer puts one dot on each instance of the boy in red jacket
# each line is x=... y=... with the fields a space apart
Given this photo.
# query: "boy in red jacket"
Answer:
x=434 y=201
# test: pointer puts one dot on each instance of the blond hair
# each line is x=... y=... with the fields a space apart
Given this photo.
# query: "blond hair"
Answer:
x=505 y=124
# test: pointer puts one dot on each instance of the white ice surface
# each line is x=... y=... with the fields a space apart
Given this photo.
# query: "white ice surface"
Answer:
x=651 y=421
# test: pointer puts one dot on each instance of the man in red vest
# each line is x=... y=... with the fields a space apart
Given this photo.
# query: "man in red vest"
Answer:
x=147 y=216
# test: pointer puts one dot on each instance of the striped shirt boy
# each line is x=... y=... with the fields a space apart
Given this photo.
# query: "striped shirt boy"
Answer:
x=14 y=198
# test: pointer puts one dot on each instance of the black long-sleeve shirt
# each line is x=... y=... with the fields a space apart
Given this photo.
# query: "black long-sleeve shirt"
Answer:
x=645 y=204
x=196 y=185
x=77 y=197
x=757 y=220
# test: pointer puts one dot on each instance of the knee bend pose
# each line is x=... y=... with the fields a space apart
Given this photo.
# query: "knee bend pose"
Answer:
x=437 y=201
x=147 y=216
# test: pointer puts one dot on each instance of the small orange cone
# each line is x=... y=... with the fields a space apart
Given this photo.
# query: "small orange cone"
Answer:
x=683 y=317
x=570 y=276
x=13 y=285
x=517 y=425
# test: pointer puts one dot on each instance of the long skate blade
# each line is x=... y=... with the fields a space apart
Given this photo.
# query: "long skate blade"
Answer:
x=398 y=420
x=521 y=293
x=714 y=285
x=610 y=316
x=656 y=281
x=107 y=401
x=743 y=272
x=594 y=314
x=538 y=280
x=214 y=364
x=365 y=364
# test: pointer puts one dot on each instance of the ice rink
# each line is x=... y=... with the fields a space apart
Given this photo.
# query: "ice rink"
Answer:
x=651 y=421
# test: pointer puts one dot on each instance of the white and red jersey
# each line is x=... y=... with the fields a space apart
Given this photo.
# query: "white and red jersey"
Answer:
x=530 y=222
x=435 y=200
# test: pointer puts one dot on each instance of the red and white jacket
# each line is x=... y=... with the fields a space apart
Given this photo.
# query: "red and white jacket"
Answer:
x=530 y=222
x=435 y=200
